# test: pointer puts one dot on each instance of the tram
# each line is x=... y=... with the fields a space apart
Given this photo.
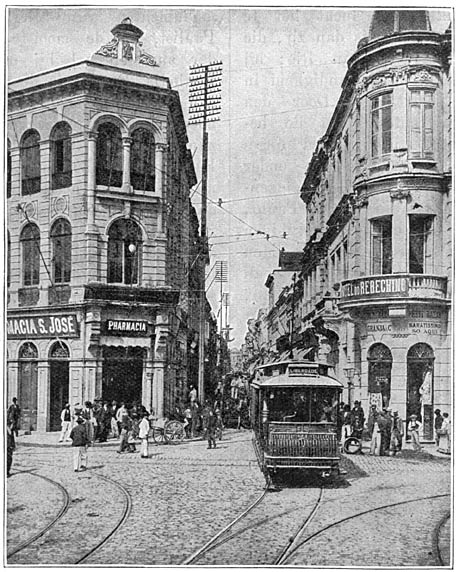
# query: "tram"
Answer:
x=294 y=410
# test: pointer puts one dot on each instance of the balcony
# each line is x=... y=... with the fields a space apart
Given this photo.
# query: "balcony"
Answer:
x=374 y=289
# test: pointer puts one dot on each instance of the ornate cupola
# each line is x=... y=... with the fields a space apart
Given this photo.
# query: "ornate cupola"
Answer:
x=389 y=22
x=125 y=47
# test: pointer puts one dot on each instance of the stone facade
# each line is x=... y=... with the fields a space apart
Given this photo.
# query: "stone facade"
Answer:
x=377 y=262
x=120 y=324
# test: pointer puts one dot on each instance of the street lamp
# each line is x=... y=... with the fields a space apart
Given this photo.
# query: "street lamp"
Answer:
x=132 y=250
x=349 y=373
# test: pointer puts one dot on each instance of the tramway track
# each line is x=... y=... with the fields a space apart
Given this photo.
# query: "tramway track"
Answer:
x=225 y=535
x=362 y=513
x=217 y=538
x=437 y=549
x=121 y=521
x=64 y=508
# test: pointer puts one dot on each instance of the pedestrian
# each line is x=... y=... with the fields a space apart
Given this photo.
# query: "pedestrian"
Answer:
x=188 y=422
x=66 y=424
x=346 y=425
x=444 y=445
x=357 y=419
x=193 y=395
x=89 y=421
x=121 y=412
x=104 y=421
x=13 y=416
x=10 y=447
x=144 y=429
x=80 y=442
x=195 y=418
x=125 y=428
x=384 y=423
x=113 y=424
x=210 y=423
x=218 y=421
x=133 y=432
x=396 y=435
x=374 y=431
x=413 y=431
x=438 y=422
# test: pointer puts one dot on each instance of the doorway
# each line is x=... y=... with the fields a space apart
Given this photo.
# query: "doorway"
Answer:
x=122 y=374
x=28 y=386
x=58 y=383
x=420 y=386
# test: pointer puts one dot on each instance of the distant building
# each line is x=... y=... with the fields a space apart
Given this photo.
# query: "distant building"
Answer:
x=377 y=264
x=102 y=288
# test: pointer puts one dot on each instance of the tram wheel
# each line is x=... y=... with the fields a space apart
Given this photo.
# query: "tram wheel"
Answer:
x=174 y=432
x=158 y=435
x=352 y=446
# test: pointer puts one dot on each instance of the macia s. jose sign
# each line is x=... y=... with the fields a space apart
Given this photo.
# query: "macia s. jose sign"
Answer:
x=64 y=326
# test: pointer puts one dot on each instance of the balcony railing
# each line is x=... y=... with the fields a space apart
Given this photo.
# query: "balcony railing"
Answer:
x=394 y=286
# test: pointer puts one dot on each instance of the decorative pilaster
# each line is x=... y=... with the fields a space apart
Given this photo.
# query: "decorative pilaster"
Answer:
x=92 y=140
x=399 y=198
x=127 y=164
x=160 y=148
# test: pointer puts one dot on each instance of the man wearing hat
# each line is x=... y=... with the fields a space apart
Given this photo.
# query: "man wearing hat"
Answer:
x=413 y=431
x=438 y=422
x=80 y=443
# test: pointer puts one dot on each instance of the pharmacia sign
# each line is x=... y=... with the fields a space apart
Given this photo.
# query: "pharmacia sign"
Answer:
x=64 y=326
x=126 y=327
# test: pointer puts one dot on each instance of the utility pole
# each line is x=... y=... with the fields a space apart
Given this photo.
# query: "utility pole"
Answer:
x=205 y=100
x=292 y=323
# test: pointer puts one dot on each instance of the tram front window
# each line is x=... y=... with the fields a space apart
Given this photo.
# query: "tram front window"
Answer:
x=302 y=405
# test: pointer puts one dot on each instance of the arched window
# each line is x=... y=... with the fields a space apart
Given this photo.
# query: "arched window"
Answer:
x=379 y=374
x=30 y=163
x=61 y=156
x=143 y=160
x=61 y=241
x=124 y=252
x=30 y=241
x=8 y=171
x=109 y=167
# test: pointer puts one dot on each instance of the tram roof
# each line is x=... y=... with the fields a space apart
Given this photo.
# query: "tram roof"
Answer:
x=286 y=380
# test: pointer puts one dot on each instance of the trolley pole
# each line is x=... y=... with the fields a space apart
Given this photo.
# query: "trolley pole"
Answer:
x=205 y=99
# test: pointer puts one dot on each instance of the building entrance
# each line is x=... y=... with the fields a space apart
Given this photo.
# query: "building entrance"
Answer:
x=28 y=386
x=419 y=399
x=58 y=384
x=122 y=373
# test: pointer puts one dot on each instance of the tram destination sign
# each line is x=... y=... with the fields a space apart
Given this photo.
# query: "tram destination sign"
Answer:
x=126 y=327
x=294 y=371
x=62 y=326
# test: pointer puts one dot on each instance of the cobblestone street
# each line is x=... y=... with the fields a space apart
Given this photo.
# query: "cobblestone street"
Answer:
x=183 y=495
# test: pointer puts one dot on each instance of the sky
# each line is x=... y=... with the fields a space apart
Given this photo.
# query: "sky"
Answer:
x=282 y=74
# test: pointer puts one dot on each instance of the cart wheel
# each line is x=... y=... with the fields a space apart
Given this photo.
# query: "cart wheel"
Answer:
x=158 y=435
x=352 y=446
x=174 y=432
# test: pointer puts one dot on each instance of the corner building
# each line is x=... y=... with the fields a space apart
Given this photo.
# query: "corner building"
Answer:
x=102 y=296
x=377 y=264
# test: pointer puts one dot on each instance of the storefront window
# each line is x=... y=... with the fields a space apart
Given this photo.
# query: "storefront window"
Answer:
x=381 y=246
x=421 y=239
x=420 y=386
x=379 y=375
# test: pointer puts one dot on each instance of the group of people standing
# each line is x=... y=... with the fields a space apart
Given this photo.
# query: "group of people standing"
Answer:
x=386 y=432
x=442 y=426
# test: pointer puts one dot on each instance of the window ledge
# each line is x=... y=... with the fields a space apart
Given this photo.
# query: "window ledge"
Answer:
x=423 y=163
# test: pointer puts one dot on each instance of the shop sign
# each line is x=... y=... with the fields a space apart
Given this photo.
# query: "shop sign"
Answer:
x=302 y=371
x=379 y=287
x=63 y=326
x=126 y=327
x=404 y=328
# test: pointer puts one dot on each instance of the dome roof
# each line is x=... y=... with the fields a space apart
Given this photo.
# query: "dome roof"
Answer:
x=389 y=22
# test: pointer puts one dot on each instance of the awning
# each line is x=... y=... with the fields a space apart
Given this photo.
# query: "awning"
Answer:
x=125 y=341
x=285 y=380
